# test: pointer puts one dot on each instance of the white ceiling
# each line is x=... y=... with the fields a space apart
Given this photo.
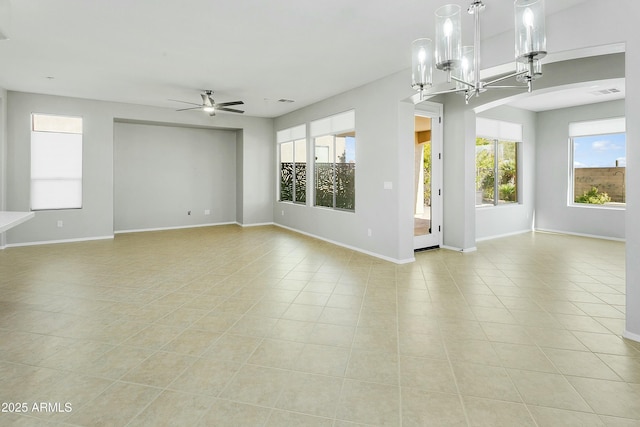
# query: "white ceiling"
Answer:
x=148 y=51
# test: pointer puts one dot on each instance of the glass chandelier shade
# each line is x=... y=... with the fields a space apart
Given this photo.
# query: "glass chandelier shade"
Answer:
x=448 y=37
x=531 y=41
x=463 y=64
x=466 y=69
x=422 y=64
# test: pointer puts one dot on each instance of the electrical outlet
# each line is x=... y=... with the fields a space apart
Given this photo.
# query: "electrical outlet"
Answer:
x=369 y=233
x=207 y=212
x=60 y=223
x=282 y=213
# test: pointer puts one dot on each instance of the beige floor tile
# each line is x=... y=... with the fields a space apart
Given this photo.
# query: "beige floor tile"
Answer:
x=289 y=419
x=369 y=403
x=373 y=366
x=206 y=376
x=276 y=353
x=555 y=338
x=236 y=348
x=619 y=422
x=29 y=383
x=628 y=368
x=513 y=334
x=218 y=294
x=256 y=385
x=159 y=370
x=427 y=374
x=173 y=408
x=495 y=413
x=607 y=343
x=115 y=406
x=544 y=389
x=551 y=417
x=611 y=398
x=328 y=334
x=580 y=364
x=420 y=408
x=524 y=357
x=154 y=336
x=320 y=359
x=310 y=394
x=339 y=316
x=490 y=382
x=192 y=342
x=375 y=340
x=234 y=414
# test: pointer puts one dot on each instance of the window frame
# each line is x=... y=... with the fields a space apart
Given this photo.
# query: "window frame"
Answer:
x=292 y=136
x=35 y=176
x=588 y=129
x=500 y=132
x=338 y=125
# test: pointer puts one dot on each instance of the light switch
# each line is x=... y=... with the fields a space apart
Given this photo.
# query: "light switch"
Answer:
x=388 y=185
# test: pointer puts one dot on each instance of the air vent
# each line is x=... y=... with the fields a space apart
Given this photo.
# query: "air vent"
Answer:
x=286 y=101
x=605 y=91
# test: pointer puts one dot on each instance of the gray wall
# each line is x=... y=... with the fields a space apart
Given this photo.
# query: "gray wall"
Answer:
x=384 y=152
x=513 y=218
x=552 y=210
x=163 y=172
x=96 y=218
x=3 y=157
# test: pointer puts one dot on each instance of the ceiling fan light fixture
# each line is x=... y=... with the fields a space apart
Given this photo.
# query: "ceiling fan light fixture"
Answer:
x=208 y=109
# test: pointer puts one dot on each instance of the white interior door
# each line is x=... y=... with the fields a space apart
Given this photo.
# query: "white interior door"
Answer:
x=427 y=166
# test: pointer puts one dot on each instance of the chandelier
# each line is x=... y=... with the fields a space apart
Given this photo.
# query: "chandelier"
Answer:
x=462 y=64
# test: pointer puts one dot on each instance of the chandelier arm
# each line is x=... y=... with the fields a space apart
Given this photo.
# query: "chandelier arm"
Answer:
x=471 y=85
x=510 y=87
x=444 y=92
x=499 y=79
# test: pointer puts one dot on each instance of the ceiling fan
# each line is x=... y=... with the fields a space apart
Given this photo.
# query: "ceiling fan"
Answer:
x=209 y=105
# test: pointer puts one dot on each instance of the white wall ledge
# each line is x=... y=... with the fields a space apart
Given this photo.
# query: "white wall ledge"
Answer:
x=11 y=219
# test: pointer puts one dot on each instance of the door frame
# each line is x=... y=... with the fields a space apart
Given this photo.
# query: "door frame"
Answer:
x=433 y=111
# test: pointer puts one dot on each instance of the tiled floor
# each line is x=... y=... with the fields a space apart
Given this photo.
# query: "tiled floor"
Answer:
x=226 y=326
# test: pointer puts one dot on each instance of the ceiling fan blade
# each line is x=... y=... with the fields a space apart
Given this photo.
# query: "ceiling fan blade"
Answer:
x=184 y=102
x=226 y=104
x=190 y=108
x=232 y=110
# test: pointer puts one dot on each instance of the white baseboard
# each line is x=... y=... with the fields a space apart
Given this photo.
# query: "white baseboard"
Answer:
x=51 y=242
x=593 y=236
x=259 y=224
x=499 y=236
x=142 y=230
x=353 y=248
x=465 y=250
x=631 y=336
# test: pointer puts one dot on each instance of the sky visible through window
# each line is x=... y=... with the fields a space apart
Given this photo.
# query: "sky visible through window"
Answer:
x=600 y=151
x=350 y=149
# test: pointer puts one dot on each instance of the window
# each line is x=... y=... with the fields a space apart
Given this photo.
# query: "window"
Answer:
x=293 y=164
x=598 y=163
x=56 y=162
x=497 y=147
x=334 y=148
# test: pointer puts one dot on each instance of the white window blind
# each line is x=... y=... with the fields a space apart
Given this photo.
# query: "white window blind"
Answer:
x=290 y=134
x=597 y=127
x=56 y=162
x=334 y=124
x=505 y=131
